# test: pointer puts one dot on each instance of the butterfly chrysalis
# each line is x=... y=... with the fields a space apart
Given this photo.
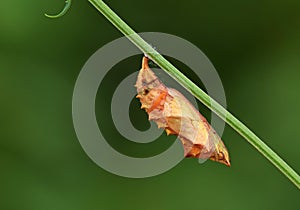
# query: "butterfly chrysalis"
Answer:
x=173 y=112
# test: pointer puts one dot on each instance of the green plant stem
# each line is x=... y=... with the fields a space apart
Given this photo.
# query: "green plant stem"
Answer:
x=197 y=92
x=63 y=12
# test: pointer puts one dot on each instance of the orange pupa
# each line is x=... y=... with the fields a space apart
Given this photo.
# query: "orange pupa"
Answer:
x=173 y=112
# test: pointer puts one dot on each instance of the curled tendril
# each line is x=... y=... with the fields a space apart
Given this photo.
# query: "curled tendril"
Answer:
x=63 y=12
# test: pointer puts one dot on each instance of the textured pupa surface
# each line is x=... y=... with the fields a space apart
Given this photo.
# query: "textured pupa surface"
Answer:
x=173 y=112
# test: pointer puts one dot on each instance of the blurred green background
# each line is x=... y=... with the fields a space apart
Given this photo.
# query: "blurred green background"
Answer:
x=255 y=47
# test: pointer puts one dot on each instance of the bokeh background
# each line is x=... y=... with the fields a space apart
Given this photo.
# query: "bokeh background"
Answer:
x=255 y=47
